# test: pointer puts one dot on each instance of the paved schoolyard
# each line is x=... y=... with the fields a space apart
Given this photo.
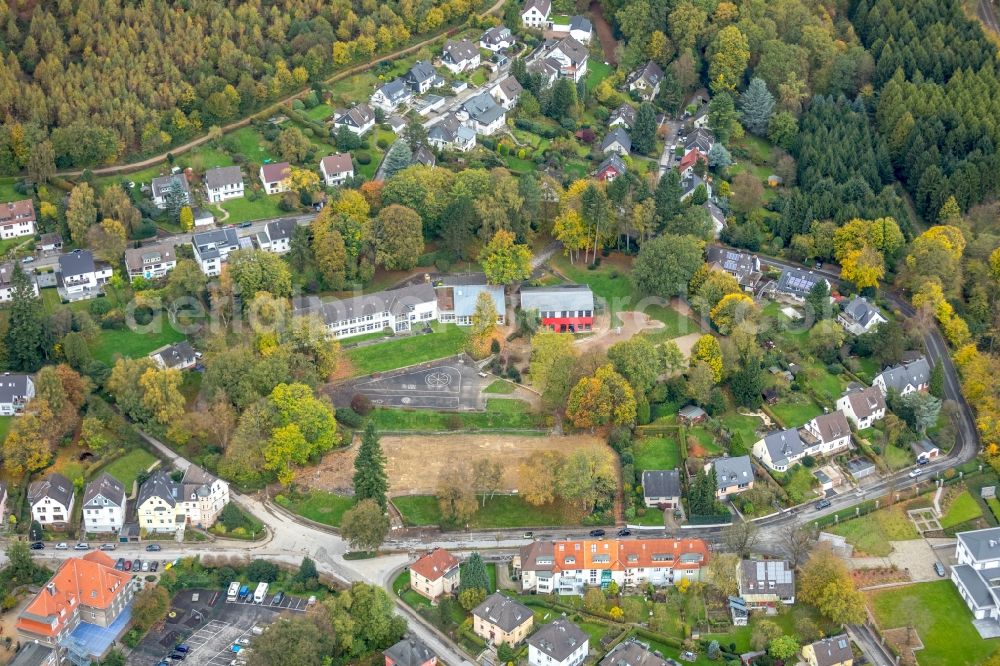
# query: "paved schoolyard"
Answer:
x=450 y=384
x=210 y=627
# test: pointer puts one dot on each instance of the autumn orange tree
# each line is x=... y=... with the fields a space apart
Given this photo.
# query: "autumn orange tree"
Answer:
x=603 y=398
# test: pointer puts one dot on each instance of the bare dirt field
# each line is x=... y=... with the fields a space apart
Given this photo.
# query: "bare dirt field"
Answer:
x=604 y=336
x=416 y=461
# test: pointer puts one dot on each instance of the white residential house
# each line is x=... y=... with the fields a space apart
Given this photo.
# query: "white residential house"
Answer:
x=399 y=310
x=359 y=120
x=862 y=407
x=507 y=92
x=623 y=116
x=79 y=276
x=163 y=186
x=390 y=96
x=223 y=184
x=460 y=56
x=578 y=27
x=51 y=501
x=103 y=505
x=7 y=282
x=151 y=262
x=497 y=39
x=421 y=77
x=203 y=218
x=276 y=236
x=17 y=218
x=179 y=356
x=559 y=643
x=661 y=488
x=572 y=57
x=859 y=316
x=824 y=435
x=485 y=116
x=646 y=81
x=617 y=141
x=535 y=13
x=905 y=378
x=336 y=169
x=451 y=134
x=204 y=496
x=274 y=177
x=978 y=555
x=16 y=391
x=212 y=248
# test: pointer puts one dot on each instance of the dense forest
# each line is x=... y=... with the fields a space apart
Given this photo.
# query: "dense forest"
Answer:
x=92 y=81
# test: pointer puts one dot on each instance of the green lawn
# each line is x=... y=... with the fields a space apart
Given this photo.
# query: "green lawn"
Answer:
x=500 y=414
x=706 y=440
x=318 y=505
x=245 y=210
x=249 y=143
x=745 y=426
x=7 y=191
x=823 y=383
x=112 y=343
x=129 y=466
x=319 y=112
x=963 y=509
x=656 y=453
x=447 y=340
x=798 y=483
x=896 y=458
x=597 y=71
x=5 y=422
x=871 y=534
x=501 y=386
x=503 y=511
x=795 y=409
x=940 y=617
x=204 y=158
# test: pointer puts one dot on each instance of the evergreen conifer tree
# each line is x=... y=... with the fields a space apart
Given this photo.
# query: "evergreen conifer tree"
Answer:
x=25 y=331
x=370 y=480
x=474 y=574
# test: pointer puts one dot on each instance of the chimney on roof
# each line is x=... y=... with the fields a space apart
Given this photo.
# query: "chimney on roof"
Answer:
x=51 y=587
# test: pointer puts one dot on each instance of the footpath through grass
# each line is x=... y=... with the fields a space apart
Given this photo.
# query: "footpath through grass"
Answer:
x=318 y=505
x=940 y=618
x=503 y=511
x=500 y=414
x=447 y=340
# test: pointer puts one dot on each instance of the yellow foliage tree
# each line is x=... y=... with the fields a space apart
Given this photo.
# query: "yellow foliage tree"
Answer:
x=570 y=230
x=864 y=267
x=731 y=310
x=709 y=350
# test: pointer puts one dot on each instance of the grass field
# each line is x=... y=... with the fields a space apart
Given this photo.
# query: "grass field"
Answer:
x=501 y=387
x=129 y=466
x=656 y=453
x=318 y=505
x=7 y=191
x=249 y=143
x=795 y=409
x=896 y=458
x=706 y=442
x=124 y=342
x=798 y=483
x=746 y=426
x=500 y=414
x=244 y=210
x=597 y=71
x=941 y=619
x=872 y=533
x=447 y=340
x=5 y=422
x=503 y=511
x=963 y=509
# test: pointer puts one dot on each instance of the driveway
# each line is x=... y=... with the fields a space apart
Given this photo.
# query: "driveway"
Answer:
x=915 y=556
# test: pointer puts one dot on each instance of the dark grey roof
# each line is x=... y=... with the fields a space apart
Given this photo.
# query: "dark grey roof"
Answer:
x=207 y=243
x=856 y=465
x=832 y=426
x=77 y=262
x=833 y=650
x=558 y=297
x=161 y=184
x=483 y=108
x=180 y=354
x=459 y=51
x=396 y=301
x=558 y=639
x=497 y=34
x=502 y=612
x=692 y=412
x=580 y=23
x=421 y=71
x=55 y=486
x=784 y=444
x=625 y=112
x=619 y=135
x=733 y=261
x=732 y=471
x=923 y=446
x=651 y=73
x=105 y=486
x=51 y=238
x=916 y=373
x=359 y=116
x=410 y=651
x=632 y=653
x=222 y=176
x=394 y=90
x=424 y=156
x=32 y=654
x=280 y=229
x=661 y=483
x=701 y=139
x=982 y=544
x=159 y=484
x=13 y=387
x=861 y=311
x=196 y=482
x=613 y=161
x=544 y=6
x=798 y=282
x=756 y=577
x=574 y=50
x=511 y=87
x=866 y=402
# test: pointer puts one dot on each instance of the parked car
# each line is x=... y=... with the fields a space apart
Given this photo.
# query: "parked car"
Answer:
x=939 y=569
x=245 y=225
x=178 y=656
x=37 y=545
x=245 y=641
x=923 y=461
x=278 y=598
x=27 y=260
x=529 y=535
x=182 y=647
x=154 y=547
x=136 y=564
x=128 y=565
x=61 y=545
x=108 y=546
x=915 y=473
x=145 y=565
x=82 y=546
x=154 y=566
x=120 y=564
x=597 y=533
x=624 y=532
x=822 y=504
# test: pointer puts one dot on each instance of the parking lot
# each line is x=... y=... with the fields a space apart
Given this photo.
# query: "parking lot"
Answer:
x=210 y=626
x=449 y=384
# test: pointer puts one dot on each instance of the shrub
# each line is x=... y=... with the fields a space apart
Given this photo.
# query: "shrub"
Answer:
x=298 y=105
x=620 y=438
x=382 y=143
x=361 y=404
x=809 y=461
x=363 y=157
x=349 y=417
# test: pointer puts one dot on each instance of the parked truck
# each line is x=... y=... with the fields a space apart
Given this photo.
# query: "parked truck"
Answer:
x=260 y=593
x=234 y=591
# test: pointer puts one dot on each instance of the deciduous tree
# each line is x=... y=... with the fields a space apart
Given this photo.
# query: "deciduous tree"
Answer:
x=399 y=239
x=504 y=261
x=81 y=212
x=601 y=399
x=365 y=525
x=665 y=265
